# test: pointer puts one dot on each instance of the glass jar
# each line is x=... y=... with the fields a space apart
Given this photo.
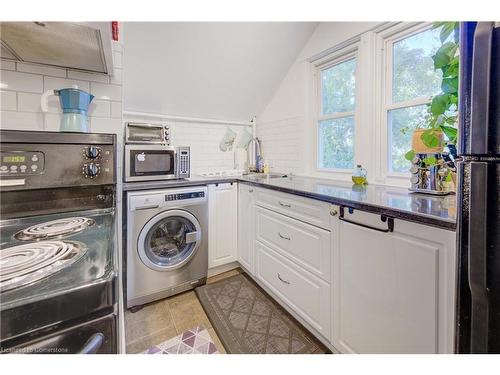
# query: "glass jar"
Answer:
x=359 y=175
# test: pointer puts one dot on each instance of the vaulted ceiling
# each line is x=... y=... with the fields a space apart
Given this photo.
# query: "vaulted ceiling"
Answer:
x=215 y=70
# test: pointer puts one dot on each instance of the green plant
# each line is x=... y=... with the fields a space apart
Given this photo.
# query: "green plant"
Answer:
x=443 y=108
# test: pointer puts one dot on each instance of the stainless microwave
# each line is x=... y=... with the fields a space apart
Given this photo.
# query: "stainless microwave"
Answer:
x=141 y=133
x=156 y=162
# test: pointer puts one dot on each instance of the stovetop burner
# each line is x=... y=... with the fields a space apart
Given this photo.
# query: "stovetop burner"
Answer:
x=25 y=264
x=54 y=229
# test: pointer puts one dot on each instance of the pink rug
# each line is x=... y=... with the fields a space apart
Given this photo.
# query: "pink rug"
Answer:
x=194 y=341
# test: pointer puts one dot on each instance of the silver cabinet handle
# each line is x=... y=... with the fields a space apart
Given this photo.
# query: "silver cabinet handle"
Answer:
x=333 y=212
x=284 y=204
x=283 y=281
x=284 y=237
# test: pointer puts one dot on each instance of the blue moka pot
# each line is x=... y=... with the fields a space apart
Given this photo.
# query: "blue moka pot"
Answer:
x=75 y=104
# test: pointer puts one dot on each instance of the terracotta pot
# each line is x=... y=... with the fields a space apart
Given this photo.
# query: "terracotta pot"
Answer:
x=420 y=148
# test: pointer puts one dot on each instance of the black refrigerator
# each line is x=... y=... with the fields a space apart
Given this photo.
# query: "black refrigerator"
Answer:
x=478 y=234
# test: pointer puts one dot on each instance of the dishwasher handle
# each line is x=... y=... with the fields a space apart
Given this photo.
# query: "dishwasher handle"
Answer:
x=389 y=220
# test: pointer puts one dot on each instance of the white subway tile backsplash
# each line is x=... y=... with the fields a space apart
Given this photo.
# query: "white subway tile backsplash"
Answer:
x=117 y=46
x=100 y=108
x=52 y=122
x=21 y=120
x=116 y=109
x=17 y=81
x=21 y=92
x=8 y=101
x=106 y=92
x=204 y=142
x=27 y=102
x=280 y=143
x=41 y=69
x=52 y=83
x=7 y=65
x=117 y=59
x=94 y=77
x=117 y=77
x=106 y=125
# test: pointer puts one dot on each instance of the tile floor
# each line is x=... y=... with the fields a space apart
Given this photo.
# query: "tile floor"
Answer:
x=164 y=319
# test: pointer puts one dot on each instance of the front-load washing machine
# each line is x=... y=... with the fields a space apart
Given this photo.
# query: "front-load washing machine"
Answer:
x=167 y=245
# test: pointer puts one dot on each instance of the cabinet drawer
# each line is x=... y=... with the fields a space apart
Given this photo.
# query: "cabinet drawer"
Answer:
x=304 y=293
x=305 y=244
x=305 y=209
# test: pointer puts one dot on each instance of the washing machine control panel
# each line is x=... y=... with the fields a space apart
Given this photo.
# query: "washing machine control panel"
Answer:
x=182 y=196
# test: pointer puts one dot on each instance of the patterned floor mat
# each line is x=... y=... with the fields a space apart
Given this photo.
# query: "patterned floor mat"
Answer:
x=192 y=341
x=248 y=320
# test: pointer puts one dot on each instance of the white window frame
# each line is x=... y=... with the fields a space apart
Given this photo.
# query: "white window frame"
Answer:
x=350 y=52
x=385 y=42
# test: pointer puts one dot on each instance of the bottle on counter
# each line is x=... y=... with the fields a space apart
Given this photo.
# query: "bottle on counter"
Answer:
x=359 y=175
x=266 y=167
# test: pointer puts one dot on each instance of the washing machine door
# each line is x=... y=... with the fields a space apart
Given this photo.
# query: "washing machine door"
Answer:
x=169 y=240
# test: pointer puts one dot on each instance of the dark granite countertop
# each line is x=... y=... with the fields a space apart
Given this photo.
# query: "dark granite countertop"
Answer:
x=439 y=211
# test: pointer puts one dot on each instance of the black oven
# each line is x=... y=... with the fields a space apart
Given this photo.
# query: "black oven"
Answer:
x=98 y=336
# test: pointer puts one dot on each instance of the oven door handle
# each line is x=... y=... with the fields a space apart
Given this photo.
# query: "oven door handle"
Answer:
x=93 y=344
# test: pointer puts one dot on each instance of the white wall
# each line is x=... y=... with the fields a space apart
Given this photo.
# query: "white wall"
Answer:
x=284 y=126
x=219 y=70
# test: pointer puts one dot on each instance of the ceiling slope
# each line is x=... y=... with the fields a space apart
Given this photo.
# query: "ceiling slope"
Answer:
x=213 y=70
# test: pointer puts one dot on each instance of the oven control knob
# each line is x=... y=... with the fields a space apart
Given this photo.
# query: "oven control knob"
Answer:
x=92 y=152
x=91 y=170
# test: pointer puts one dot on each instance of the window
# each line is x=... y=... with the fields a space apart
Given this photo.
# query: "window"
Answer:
x=337 y=88
x=410 y=83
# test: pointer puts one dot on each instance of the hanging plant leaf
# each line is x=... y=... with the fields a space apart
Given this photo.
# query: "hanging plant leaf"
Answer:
x=454 y=99
x=444 y=54
x=429 y=138
x=440 y=59
x=450 y=132
x=437 y=24
x=439 y=104
x=451 y=120
x=450 y=85
x=451 y=69
x=410 y=155
x=446 y=30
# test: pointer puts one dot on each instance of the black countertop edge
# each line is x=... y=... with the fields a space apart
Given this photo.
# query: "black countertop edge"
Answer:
x=167 y=184
x=408 y=216
x=381 y=210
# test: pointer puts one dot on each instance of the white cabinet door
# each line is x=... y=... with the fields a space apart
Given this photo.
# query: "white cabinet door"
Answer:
x=393 y=292
x=307 y=295
x=223 y=224
x=246 y=226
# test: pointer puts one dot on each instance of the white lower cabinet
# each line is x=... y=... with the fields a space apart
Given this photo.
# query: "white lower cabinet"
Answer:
x=393 y=292
x=223 y=224
x=246 y=226
x=359 y=288
x=307 y=295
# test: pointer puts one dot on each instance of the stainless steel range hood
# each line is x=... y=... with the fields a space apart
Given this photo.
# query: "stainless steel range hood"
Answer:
x=82 y=46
